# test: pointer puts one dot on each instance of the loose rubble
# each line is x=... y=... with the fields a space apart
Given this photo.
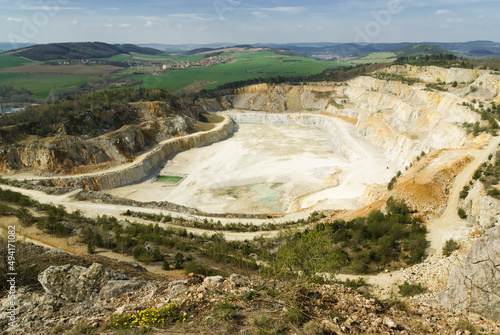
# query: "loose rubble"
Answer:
x=332 y=309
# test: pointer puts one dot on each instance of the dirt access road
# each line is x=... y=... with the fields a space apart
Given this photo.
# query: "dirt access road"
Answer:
x=440 y=229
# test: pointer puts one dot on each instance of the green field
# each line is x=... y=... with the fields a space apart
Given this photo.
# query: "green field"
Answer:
x=13 y=61
x=376 y=57
x=120 y=57
x=243 y=66
x=251 y=65
x=42 y=84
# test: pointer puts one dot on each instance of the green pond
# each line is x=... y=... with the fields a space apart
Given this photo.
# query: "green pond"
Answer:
x=266 y=194
x=169 y=179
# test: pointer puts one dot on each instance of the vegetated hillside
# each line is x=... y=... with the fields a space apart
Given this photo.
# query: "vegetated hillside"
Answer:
x=418 y=50
x=81 y=50
x=87 y=132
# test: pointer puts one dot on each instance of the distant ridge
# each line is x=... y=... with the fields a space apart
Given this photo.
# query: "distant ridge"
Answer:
x=79 y=50
x=418 y=50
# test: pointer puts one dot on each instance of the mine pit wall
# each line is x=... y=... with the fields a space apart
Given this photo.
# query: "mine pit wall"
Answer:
x=401 y=119
x=139 y=170
x=344 y=144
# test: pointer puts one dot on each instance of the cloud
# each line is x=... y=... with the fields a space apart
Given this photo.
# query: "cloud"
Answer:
x=285 y=10
x=124 y=25
x=448 y=17
x=45 y=8
x=445 y=12
x=196 y=17
x=14 y=19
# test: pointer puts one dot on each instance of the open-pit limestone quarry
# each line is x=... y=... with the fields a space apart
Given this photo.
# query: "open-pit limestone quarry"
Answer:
x=281 y=152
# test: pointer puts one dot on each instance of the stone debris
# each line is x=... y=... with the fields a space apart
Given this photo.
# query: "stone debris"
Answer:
x=335 y=308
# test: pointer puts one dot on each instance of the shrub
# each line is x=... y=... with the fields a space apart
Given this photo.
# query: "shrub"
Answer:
x=409 y=290
x=461 y=213
x=179 y=259
x=249 y=295
x=466 y=325
x=81 y=328
x=90 y=248
x=267 y=326
x=390 y=186
x=193 y=267
x=493 y=192
x=450 y=246
x=312 y=328
x=142 y=255
x=225 y=311
x=25 y=217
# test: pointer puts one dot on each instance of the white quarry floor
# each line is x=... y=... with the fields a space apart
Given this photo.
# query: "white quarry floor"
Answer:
x=267 y=169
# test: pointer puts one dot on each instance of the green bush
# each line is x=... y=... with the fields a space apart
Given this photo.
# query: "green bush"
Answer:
x=193 y=267
x=466 y=325
x=409 y=290
x=268 y=326
x=450 y=246
x=249 y=295
x=225 y=311
x=461 y=213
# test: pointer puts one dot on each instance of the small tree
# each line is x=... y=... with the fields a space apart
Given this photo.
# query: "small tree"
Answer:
x=179 y=258
x=461 y=213
x=90 y=248
x=450 y=246
x=25 y=217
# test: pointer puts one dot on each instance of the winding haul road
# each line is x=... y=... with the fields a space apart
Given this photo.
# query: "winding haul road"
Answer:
x=440 y=229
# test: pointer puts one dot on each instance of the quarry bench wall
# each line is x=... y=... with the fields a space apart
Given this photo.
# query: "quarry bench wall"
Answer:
x=139 y=170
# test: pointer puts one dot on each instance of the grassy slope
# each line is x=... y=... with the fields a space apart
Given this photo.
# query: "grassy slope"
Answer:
x=13 y=61
x=42 y=84
x=376 y=57
x=247 y=66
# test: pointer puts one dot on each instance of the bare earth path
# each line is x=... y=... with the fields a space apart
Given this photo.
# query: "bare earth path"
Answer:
x=442 y=229
x=439 y=229
x=91 y=209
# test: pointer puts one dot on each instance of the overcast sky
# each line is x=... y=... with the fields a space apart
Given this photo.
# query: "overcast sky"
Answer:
x=248 y=21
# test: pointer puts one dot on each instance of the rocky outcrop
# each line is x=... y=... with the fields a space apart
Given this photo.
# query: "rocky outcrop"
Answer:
x=482 y=209
x=143 y=166
x=73 y=155
x=77 y=283
x=476 y=286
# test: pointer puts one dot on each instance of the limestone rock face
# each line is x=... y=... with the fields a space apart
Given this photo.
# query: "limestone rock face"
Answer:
x=483 y=209
x=76 y=283
x=476 y=287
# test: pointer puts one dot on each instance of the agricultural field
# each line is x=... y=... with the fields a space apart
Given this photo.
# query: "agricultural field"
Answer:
x=376 y=57
x=79 y=69
x=40 y=78
x=41 y=84
x=247 y=66
x=7 y=61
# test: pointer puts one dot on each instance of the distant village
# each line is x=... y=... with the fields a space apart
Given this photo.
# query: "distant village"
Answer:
x=165 y=65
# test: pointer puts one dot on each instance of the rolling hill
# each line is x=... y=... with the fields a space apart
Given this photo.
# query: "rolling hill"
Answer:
x=418 y=50
x=82 y=50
